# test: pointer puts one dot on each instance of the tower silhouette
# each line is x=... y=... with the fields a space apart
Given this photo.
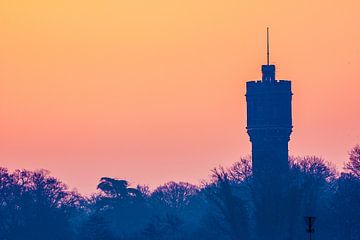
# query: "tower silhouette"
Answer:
x=269 y=121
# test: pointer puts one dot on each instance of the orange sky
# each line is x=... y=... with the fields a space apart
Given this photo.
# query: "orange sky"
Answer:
x=153 y=91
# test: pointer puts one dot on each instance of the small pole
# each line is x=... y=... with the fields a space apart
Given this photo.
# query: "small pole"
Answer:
x=310 y=223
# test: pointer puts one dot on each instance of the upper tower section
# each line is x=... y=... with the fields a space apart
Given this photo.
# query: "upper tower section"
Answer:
x=269 y=102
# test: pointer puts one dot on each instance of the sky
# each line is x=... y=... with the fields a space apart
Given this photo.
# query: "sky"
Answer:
x=153 y=91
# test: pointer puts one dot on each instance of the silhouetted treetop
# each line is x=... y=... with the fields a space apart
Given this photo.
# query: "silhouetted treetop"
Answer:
x=174 y=195
x=117 y=188
x=354 y=161
x=232 y=205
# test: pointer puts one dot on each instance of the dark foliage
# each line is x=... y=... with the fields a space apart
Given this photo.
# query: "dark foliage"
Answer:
x=34 y=205
x=232 y=205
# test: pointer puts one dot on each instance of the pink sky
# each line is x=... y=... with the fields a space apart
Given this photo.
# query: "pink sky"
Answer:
x=153 y=91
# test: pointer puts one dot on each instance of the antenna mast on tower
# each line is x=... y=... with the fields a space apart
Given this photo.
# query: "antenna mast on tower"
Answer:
x=267 y=46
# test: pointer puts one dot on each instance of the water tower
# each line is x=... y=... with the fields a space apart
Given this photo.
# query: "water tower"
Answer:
x=269 y=121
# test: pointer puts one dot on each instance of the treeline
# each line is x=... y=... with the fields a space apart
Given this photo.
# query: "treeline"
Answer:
x=231 y=205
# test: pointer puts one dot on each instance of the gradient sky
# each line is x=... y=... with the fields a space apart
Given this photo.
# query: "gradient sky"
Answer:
x=153 y=91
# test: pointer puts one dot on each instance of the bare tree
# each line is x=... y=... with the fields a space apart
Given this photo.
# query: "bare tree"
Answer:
x=233 y=213
x=241 y=171
x=174 y=195
x=354 y=161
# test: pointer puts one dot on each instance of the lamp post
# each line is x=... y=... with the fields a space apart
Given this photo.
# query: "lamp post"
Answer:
x=309 y=225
